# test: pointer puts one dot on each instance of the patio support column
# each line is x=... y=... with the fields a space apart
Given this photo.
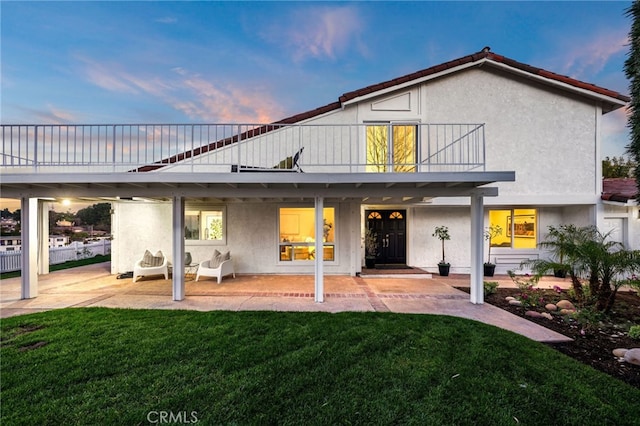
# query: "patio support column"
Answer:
x=355 y=230
x=319 y=273
x=477 y=246
x=178 y=248
x=43 y=237
x=29 y=253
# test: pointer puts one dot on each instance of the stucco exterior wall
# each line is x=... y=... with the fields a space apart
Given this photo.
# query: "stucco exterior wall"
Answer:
x=138 y=227
x=548 y=138
x=251 y=237
x=425 y=250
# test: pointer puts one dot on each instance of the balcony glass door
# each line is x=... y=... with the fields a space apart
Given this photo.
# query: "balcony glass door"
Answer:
x=391 y=154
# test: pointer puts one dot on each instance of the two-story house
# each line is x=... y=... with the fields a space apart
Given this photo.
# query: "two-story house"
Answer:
x=479 y=141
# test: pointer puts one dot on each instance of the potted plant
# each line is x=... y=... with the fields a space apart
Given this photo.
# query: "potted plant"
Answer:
x=370 y=248
x=489 y=234
x=442 y=233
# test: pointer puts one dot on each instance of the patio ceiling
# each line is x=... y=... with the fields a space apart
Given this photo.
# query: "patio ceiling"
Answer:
x=370 y=187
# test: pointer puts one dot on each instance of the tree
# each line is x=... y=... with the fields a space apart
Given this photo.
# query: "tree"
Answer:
x=617 y=167
x=442 y=233
x=98 y=215
x=632 y=71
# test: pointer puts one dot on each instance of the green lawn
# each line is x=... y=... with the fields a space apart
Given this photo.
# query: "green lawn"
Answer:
x=104 y=366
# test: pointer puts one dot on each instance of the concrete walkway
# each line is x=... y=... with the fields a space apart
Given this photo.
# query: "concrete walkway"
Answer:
x=94 y=286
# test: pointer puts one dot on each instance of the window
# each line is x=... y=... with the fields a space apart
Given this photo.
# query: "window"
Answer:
x=297 y=234
x=399 y=152
x=205 y=225
x=519 y=228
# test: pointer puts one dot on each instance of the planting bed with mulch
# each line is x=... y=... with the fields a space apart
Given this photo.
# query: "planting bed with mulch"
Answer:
x=592 y=343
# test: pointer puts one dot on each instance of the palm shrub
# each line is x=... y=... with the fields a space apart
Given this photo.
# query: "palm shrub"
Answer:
x=561 y=242
x=587 y=255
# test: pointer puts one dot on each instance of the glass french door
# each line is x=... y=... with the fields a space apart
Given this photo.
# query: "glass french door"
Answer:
x=391 y=148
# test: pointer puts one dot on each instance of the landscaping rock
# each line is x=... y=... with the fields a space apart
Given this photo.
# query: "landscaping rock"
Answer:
x=565 y=304
x=567 y=311
x=533 y=314
x=632 y=356
x=551 y=307
x=547 y=315
x=619 y=352
x=515 y=302
x=509 y=298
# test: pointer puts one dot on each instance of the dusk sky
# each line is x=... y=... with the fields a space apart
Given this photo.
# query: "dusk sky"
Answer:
x=257 y=62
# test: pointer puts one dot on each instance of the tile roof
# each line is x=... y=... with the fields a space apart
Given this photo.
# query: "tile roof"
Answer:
x=479 y=57
x=619 y=189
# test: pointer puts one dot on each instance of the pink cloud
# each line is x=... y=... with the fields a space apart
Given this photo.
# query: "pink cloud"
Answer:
x=193 y=95
x=111 y=77
x=589 y=57
x=615 y=122
x=53 y=115
x=318 y=32
x=615 y=133
x=232 y=104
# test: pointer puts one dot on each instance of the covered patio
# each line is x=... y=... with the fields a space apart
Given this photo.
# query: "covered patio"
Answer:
x=177 y=163
x=95 y=286
x=318 y=188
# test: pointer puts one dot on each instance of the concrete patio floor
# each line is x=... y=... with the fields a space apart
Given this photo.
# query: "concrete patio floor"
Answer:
x=94 y=286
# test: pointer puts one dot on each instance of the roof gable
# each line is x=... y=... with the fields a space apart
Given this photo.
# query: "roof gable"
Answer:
x=485 y=56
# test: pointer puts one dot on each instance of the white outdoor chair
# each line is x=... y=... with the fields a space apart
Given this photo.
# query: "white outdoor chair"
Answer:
x=225 y=268
x=142 y=268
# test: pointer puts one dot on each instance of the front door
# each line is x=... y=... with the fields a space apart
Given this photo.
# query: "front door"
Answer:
x=390 y=227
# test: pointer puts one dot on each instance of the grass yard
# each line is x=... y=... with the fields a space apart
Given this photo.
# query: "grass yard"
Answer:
x=104 y=366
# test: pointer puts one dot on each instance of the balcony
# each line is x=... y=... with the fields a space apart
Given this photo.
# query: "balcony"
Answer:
x=234 y=148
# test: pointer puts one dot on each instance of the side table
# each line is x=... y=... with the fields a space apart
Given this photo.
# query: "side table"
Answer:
x=190 y=270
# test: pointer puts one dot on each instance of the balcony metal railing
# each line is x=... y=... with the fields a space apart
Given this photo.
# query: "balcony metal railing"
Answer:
x=333 y=148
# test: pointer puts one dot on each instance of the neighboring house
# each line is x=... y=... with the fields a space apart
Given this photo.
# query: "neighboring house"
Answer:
x=621 y=213
x=481 y=140
x=14 y=243
x=10 y=243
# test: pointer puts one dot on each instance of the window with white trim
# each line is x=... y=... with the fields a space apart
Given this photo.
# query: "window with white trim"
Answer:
x=391 y=147
x=206 y=224
x=518 y=228
x=297 y=241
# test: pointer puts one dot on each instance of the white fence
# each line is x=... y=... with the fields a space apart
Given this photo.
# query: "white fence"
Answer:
x=11 y=261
